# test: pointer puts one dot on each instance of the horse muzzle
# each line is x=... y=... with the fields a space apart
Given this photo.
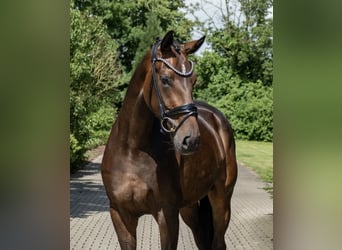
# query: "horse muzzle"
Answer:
x=187 y=138
x=189 y=145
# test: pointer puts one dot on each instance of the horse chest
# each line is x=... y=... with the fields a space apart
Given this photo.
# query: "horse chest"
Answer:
x=130 y=188
x=195 y=180
x=137 y=183
x=198 y=177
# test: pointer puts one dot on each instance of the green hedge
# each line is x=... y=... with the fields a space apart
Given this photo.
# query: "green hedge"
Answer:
x=96 y=80
x=248 y=105
x=94 y=131
x=100 y=123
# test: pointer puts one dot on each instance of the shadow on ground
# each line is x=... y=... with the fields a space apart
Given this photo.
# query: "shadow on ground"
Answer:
x=87 y=194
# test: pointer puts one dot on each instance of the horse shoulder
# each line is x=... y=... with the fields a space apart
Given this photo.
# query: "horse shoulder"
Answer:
x=217 y=120
x=129 y=177
x=225 y=133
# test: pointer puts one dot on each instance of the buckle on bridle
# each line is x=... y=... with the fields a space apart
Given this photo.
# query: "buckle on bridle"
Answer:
x=164 y=125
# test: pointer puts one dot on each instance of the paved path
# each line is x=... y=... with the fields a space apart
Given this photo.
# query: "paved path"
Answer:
x=251 y=225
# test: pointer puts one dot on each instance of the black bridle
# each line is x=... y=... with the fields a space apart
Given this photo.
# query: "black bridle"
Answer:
x=167 y=116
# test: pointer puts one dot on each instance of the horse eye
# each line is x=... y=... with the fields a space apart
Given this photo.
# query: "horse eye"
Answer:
x=165 y=80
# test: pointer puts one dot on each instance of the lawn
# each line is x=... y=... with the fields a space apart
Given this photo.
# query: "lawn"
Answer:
x=259 y=157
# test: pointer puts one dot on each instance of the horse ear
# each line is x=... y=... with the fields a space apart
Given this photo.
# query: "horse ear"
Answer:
x=167 y=40
x=193 y=46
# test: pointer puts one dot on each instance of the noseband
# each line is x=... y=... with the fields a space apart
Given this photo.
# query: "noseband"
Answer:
x=167 y=116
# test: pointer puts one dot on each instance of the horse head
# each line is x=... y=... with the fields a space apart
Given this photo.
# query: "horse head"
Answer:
x=168 y=92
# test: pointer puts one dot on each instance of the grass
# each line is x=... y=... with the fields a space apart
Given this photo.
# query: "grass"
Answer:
x=259 y=157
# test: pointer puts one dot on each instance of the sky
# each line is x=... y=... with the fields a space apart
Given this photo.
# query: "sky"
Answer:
x=212 y=8
x=203 y=16
x=214 y=13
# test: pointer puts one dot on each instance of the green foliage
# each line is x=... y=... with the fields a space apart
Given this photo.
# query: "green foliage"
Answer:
x=95 y=79
x=246 y=40
x=75 y=149
x=248 y=55
x=248 y=105
x=250 y=109
x=236 y=76
x=100 y=123
x=148 y=37
x=127 y=22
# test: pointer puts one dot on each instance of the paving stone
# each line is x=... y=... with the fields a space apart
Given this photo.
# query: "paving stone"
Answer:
x=251 y=224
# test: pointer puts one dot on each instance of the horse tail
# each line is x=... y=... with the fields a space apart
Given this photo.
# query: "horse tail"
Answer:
x=206 y=221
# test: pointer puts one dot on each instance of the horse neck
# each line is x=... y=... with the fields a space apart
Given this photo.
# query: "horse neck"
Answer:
x=136 y=120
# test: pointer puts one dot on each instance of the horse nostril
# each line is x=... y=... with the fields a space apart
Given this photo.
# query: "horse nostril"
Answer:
x=189 y=145
x=186 y=141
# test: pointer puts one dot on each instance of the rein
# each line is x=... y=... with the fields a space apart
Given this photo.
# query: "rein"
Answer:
x=167 y=116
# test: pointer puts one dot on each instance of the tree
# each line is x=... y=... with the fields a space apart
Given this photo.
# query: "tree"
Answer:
x=245 y=38
x=147 y=37
x=236 y=75
x=127 y=21
x=95 y=78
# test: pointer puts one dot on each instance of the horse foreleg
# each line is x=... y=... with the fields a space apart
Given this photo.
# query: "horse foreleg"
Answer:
x=168 y=221
x=125 y=227
x=198 y=223
x=220 y=202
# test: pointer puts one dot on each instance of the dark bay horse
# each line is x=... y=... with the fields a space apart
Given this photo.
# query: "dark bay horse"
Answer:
x=167 y=154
